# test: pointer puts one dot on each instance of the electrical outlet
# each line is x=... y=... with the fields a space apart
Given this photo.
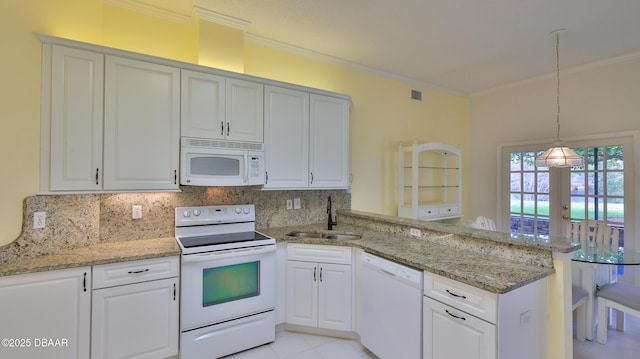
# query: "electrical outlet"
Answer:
x=39 y=219
x=136 y=211
x=296 y=203
x=415 y=232
x=289 y=204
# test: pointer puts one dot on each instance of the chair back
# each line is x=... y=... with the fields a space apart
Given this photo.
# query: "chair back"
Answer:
x=592 y=233
x=483 y=223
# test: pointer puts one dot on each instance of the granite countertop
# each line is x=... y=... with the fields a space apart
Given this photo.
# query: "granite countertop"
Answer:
x=109 y=252
x=494 y=272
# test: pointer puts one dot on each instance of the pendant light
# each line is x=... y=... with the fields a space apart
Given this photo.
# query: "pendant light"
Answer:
x=559 y=155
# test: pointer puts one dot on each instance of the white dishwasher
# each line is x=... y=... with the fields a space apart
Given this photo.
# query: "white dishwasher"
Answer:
x=391 y=300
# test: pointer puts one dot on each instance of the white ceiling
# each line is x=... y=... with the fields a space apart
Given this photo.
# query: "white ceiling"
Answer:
x=464 y=46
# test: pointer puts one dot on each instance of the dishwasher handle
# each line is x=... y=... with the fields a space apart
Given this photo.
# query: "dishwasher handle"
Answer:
x=393 y=269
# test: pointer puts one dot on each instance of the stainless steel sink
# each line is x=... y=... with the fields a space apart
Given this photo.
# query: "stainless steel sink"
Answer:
x=337 y=236
x=342 y=236
x=305 y=234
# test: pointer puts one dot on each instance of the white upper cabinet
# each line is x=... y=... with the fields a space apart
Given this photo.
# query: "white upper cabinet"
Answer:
x=221 y=108
x=244 y=111
x=202 y=105
x=306 y=140
x=329 y=153
x=109 y=123
x=286 y=138
x=76 y=119
x=142 y=125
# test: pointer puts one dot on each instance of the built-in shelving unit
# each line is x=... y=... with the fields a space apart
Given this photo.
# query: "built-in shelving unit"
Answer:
x=429 y=182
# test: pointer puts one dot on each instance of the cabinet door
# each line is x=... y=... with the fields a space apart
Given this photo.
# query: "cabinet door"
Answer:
x=142 y=125
x=244 y=111
x=137 y=320
x=334 y=303
x=46 y=315
x=286 y=138
x=76 y=119
x=203 y=105
x=329 y=142
x=302 y=293
x=451 y=333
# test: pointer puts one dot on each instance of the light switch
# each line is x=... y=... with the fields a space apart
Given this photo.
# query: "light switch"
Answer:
x=136 y=212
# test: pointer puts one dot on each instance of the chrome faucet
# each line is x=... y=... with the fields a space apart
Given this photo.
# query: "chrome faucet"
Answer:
x=330 y=221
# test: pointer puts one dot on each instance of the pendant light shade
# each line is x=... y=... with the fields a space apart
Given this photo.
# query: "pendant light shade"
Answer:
x=559 y=155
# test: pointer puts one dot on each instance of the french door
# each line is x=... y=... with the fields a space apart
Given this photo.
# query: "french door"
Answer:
x=541 y=201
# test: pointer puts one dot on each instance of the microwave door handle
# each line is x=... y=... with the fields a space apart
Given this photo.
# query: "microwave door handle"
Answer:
x=246 y=167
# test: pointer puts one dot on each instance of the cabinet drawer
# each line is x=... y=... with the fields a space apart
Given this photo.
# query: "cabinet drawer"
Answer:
x=448 y=210
x=319 y=253
x=472 y=300
x=109 y=275
x=427 y=211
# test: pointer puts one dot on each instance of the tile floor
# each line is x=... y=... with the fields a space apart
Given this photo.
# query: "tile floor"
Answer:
x=620 y=345
x=292 y=345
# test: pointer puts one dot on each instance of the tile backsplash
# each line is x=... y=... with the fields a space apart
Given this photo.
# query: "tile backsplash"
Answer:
x=83 y=219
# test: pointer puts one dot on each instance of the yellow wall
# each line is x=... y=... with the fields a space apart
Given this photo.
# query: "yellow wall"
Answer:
x=382 y=115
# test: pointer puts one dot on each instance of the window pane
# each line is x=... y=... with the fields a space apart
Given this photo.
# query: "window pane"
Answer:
x=615 y=184
x=615 y=210
x=577 y=183
x=615 y=157
x=529 y=182
x=516 y=205
x=578 y=208
x=516 y=161
x=543 y=205
x=515 y=182
x=543 y=182
x=528 y=161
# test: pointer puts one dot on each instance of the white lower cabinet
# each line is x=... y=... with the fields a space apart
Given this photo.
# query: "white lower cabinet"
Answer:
x=319 y=285
x=46 y=314
x=135 y=309
x=462 y=321
x=452 y=333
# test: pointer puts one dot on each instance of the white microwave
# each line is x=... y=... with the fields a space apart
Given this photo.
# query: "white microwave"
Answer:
x=207 y=162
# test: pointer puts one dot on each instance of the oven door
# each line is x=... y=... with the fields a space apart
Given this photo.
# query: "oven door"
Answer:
x=223 y=285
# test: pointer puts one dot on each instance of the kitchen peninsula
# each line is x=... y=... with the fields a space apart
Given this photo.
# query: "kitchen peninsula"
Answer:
x=493 y=261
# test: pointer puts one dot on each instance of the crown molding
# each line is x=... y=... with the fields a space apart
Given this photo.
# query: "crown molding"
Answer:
x=212 y=16
x=151 y=10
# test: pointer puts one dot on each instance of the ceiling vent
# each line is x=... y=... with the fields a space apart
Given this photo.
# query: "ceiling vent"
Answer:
x=416 y=95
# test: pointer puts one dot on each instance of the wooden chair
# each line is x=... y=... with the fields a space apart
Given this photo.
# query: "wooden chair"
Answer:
x=624 y=298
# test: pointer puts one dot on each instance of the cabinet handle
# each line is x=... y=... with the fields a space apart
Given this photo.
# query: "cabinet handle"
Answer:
x=174 y=291
x=456 y=295
x=455 y=316
x=97 y=175
x=314 y=273
x=84 y=282
x=266 y=177
x=350 y=177
x=221 y=128
x=311 y=177
x=138 y=271
x=321 y=274
x=228 y=128
x=175 y=176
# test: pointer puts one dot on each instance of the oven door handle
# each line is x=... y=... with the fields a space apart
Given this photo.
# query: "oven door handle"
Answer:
x=229 y=253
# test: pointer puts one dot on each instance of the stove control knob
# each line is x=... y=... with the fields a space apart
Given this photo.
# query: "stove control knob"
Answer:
x=196 y=212
x=247 y=210
x=186 y=214
x=238 y=210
